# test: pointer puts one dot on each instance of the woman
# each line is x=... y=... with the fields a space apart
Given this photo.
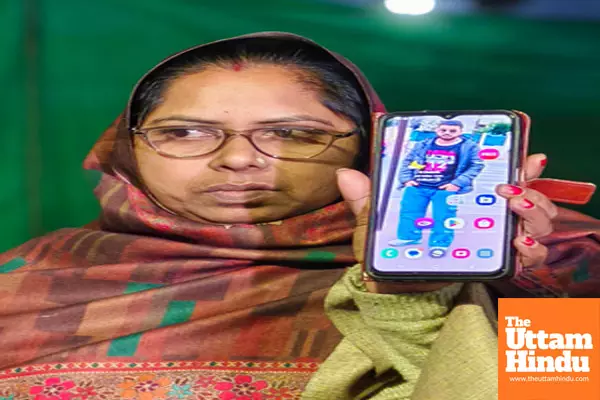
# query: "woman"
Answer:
x=221 y=236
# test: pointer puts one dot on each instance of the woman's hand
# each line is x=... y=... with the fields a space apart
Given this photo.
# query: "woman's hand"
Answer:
x=536 y=211
x=533 y=207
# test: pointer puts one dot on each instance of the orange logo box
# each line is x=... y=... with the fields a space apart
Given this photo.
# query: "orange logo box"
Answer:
x=549 y=349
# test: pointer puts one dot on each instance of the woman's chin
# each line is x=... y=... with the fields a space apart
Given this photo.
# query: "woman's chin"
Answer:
x=233 y=214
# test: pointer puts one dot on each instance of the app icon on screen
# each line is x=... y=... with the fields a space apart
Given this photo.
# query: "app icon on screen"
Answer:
x=486 y=199
x=489 y=154
x=455 y=200
x=484 y=223
x=485 y=253
x=461 y=253
x=389 y=253
x=423 y=223
x=454 y=223
x=413 y=253
x=437 y=252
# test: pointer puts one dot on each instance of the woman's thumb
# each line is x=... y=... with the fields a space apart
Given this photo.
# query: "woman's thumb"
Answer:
x=355 y=188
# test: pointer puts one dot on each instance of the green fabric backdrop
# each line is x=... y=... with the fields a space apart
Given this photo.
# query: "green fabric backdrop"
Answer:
x=69 y=65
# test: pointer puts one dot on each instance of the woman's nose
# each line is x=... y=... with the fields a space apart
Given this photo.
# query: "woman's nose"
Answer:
x=238 y=153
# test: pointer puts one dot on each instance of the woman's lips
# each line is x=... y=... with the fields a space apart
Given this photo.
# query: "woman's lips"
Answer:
x=239 y=193
x=236 y=187
x=239 y=196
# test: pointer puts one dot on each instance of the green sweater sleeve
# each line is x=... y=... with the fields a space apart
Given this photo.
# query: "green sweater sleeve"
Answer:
x=387 y=339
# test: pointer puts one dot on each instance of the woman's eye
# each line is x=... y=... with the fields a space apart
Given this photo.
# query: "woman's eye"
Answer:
x=296 y=136
x=280 y=133
x=189 y=133
x=287 y=133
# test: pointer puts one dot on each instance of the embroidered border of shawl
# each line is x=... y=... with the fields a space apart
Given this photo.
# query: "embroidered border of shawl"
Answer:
x=177 y=380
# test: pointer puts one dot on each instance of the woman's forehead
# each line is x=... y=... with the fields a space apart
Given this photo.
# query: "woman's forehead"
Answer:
x=285 y=46
x=252 y=95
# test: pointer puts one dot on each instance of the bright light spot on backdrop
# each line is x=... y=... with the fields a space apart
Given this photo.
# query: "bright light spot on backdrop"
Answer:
x=410 y=7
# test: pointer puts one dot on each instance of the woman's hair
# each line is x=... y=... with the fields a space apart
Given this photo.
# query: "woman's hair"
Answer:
x=338 y=88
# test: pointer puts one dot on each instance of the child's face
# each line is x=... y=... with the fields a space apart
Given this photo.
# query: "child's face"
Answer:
x=448 y=132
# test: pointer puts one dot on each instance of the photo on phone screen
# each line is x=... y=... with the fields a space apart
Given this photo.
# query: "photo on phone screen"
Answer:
x=436 y=209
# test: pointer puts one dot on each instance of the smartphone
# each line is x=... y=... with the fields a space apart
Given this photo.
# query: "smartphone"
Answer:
x=435 y=214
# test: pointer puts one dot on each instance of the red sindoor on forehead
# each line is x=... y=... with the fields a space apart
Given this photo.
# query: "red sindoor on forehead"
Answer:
x=237 y=66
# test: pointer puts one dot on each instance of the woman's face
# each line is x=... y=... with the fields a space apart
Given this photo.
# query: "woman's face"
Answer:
x=254 y=97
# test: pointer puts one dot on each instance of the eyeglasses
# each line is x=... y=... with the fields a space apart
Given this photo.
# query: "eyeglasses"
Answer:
x=283 y=143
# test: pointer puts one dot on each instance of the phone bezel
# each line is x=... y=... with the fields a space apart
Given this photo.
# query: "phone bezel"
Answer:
x=508 y=259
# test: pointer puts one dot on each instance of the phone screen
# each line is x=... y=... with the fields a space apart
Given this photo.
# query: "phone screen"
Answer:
x=437 y=211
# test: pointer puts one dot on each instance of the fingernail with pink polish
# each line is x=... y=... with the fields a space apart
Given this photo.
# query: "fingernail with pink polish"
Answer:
x=514 y=190
x=527 y=204
x=528 y=241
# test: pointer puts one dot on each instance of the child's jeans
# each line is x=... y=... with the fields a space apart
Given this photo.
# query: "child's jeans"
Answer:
x=414 y=206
